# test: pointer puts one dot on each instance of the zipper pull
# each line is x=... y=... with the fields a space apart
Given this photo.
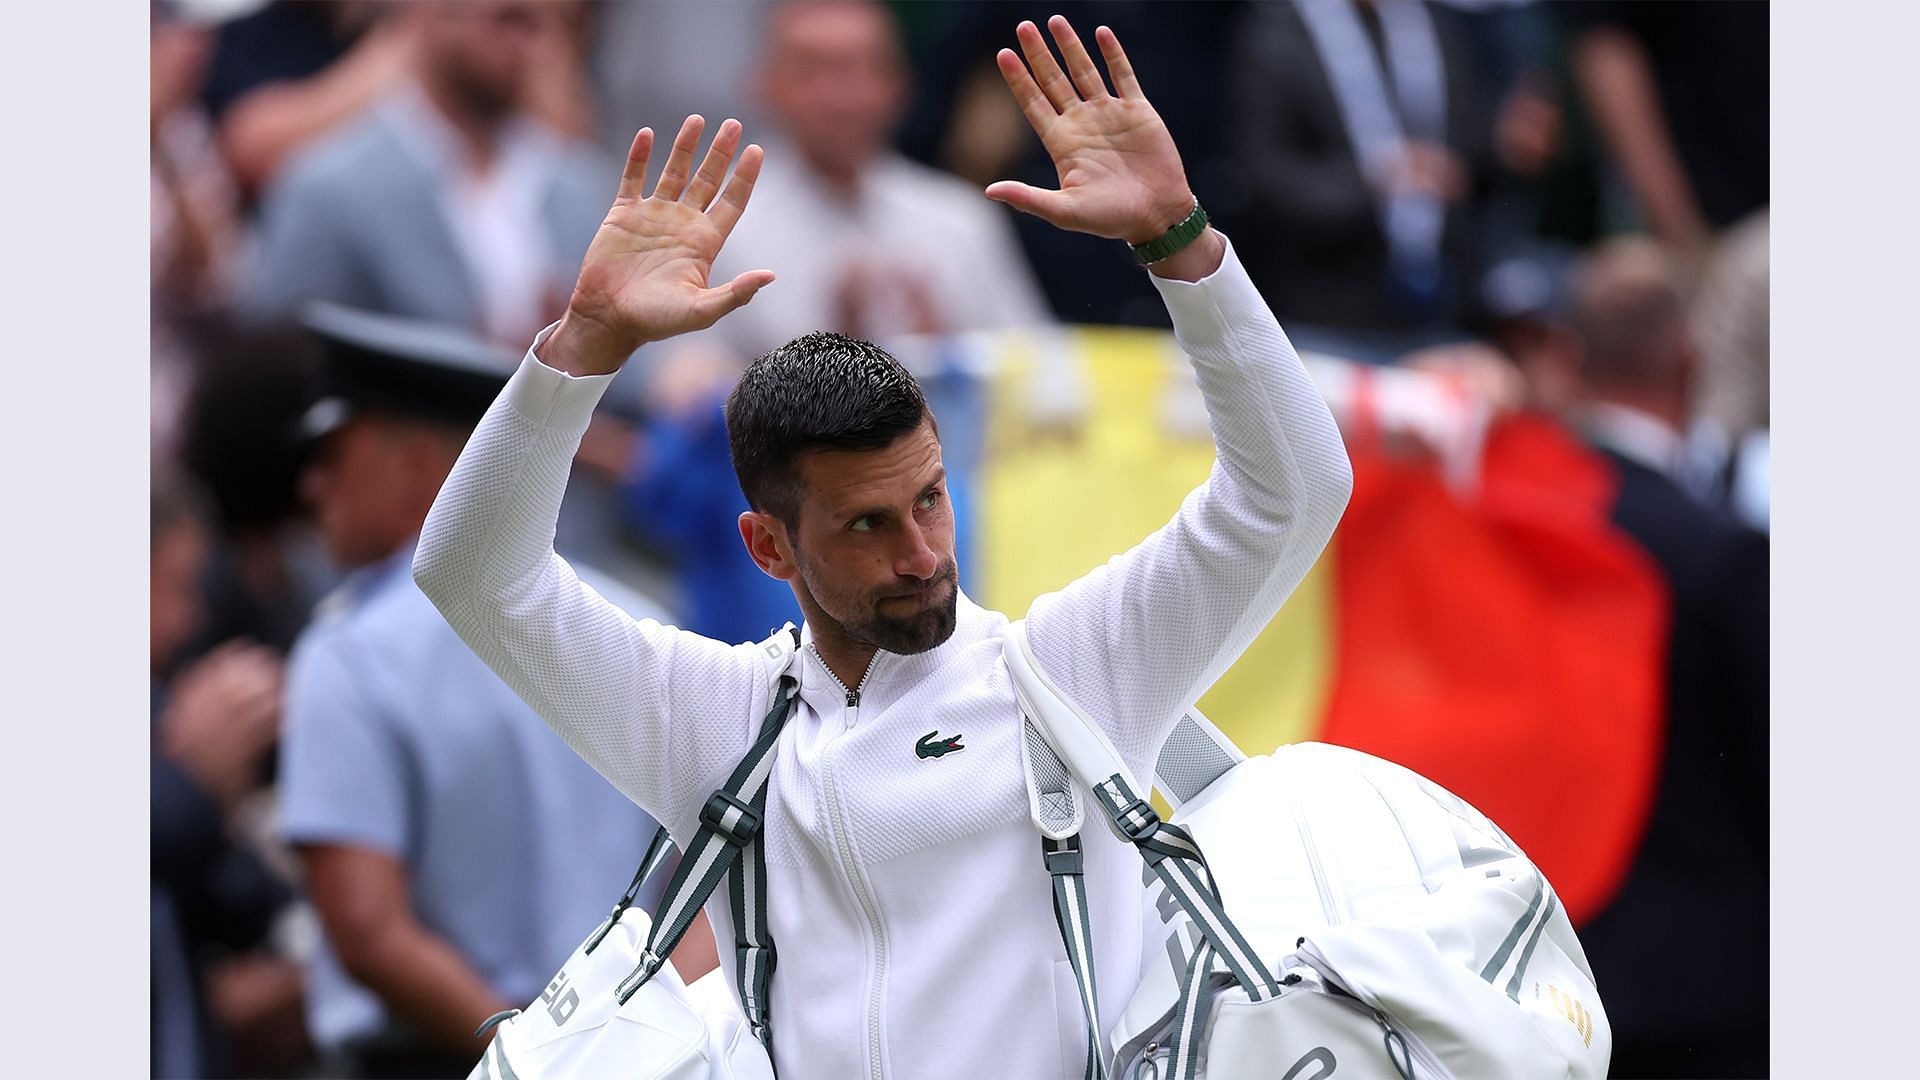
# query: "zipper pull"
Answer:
x=1402 y=1061
x=853 y=707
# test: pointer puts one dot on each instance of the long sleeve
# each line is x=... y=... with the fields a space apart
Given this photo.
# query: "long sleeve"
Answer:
x=660 y=712
x=1138 y=640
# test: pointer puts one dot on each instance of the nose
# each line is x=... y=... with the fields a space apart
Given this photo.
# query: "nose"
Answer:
x=918 y=560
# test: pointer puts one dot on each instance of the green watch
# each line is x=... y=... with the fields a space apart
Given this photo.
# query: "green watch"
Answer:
x=1168 y=243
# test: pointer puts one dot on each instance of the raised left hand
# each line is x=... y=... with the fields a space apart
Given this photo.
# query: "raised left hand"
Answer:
x=1120 y=175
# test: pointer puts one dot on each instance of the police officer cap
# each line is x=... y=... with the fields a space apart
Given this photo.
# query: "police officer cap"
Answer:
x=410 y=367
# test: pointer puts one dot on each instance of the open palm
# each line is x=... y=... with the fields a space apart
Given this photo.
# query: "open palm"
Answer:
x=1120 y=175
x=645 y=274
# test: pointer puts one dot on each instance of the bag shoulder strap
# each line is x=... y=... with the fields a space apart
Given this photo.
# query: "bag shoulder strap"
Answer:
x=1195 y=754
x=729 y=825
x=1169 y=850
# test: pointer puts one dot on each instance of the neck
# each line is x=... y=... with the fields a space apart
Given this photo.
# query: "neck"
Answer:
x=846 y=658
x=840 y=181
x=479 y=131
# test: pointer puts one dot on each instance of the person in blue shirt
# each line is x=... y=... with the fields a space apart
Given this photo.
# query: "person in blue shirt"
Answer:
x=455 y=849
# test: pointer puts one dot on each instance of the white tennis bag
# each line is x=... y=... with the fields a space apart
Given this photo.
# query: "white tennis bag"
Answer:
x=1374 y=924
x=580 y=1029
x=617 y=1007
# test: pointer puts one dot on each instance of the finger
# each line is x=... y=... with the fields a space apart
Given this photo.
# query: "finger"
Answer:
x=1049 y=206
x=1039 y=111
x=673 y=177
x=1046 y=71
x=714 y=168
x=1086 y=77
x=717 y=302
x=733 y=201
x=1118 y=66
x=635 y=175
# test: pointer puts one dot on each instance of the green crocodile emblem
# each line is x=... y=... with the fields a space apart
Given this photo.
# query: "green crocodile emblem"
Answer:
x=926 y=749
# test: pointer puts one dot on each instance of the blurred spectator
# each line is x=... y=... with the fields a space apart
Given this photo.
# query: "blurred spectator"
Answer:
x=646 y=76
x=264 y=571
x=1363 y=137
x=221 y=1003
x=294 y=70
x=193 y=219
x=1731 y=316
x=1682 y=949
x=1679 y=92
x=865 y=242
x=454 y=847
x=368 y=216
x=964 y=120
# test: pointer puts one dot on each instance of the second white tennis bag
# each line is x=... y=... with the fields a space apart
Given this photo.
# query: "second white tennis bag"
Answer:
x=1351 y=919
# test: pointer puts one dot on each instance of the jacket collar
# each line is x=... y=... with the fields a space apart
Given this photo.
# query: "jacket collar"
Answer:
x=890 y=674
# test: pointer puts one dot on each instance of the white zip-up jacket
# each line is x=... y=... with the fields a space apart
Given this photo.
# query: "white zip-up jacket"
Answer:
x=907 y=895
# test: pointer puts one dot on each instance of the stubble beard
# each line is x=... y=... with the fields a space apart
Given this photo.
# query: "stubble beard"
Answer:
x=916 y=633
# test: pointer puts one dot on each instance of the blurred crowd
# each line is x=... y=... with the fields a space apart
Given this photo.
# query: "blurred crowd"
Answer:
x=363 y=212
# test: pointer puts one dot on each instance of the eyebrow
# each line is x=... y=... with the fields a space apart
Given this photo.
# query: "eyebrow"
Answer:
x=939 y=477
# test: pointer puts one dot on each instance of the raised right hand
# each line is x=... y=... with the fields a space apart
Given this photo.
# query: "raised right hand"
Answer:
x=645 y=275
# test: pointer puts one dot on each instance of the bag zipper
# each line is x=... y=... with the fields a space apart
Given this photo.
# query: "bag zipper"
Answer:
x=1327 y=906
x=1430 y=1064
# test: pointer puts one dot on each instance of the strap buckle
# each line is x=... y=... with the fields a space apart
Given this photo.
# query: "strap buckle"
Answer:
x=1065 y=861
x=732 y=820
x=1137 y=820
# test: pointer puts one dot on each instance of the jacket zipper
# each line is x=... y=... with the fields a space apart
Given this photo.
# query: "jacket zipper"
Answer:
x=852 y=870
x=853 y=695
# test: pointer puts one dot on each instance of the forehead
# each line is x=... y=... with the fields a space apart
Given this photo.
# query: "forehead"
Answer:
x=841 y=481
x=829 y=28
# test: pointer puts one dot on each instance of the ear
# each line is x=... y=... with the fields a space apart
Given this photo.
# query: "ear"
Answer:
x=767 y=542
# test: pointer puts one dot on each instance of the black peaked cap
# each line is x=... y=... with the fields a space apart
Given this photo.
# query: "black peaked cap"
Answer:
x=410 y=367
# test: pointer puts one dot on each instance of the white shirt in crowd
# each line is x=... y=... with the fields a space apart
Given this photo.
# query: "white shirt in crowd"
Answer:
x=494 y=215
x=911 y=235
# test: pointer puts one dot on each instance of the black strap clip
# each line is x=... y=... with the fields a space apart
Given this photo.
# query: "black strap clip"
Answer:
x=734 y=821
x=1137 y=820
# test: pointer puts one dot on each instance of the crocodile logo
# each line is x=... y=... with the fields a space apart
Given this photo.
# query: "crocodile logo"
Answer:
x=926 y=749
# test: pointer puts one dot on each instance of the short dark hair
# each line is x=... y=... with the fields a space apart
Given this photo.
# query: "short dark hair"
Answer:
x=820 y=391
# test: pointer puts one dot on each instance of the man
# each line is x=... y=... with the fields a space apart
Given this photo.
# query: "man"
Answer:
x=1361 y=141
x=906 y=893
x=456 y=851
x=1683 y=948
x=448 y=201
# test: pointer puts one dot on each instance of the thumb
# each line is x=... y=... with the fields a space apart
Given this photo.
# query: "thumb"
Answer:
x=717 y=302
x=1050 y=206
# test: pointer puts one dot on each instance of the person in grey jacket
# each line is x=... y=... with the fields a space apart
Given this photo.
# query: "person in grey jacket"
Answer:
x=446 y=201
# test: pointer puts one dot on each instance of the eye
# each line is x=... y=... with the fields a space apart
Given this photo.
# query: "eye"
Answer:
x=861 y=524
x=928 y=501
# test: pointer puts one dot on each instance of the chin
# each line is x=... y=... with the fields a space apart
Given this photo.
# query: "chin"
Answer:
x=917 y=633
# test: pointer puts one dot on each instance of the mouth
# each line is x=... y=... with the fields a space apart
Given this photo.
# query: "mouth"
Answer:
x=926 y=597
